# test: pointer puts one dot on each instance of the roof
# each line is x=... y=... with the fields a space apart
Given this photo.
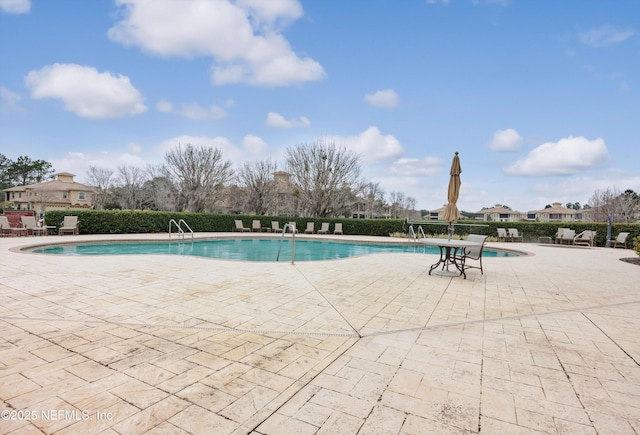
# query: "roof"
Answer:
x=53 y=185
x=498 y=209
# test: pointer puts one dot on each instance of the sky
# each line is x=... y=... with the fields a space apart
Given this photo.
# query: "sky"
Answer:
x=540 y=98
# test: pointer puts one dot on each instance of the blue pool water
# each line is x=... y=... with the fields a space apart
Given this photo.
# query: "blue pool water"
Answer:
x=246 y=249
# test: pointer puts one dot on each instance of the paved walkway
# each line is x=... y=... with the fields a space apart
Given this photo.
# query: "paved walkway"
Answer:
x=547 y=343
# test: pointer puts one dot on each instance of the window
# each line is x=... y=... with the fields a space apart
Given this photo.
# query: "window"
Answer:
x=64 y=195
x=80 y=195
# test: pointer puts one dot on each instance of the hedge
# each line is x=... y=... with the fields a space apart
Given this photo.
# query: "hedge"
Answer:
x=131 y=221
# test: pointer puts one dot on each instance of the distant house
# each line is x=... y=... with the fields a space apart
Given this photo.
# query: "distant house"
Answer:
x=60 y=194
x=556 y=213
x=499 y=213
x=436 y=215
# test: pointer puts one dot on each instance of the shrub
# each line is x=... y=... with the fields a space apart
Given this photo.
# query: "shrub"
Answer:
x=134 y=221
x=636 y=245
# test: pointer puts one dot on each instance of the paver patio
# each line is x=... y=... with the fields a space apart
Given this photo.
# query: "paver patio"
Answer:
x=546 y=343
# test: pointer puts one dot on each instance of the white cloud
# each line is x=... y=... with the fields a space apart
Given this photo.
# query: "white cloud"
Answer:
x=252 y=146
x=15 y=6
x=269 y=12
x=85 y=91
x=79 y=163
x=241 y=37
x=565 y=157
x=10 y=100
x=417 y=167
x=278 y=121
x=605 y=35
x=371 y=145
x=387 y=99
x=198 y=112
x=505 y=140
x=193 y=110
x=164 y=106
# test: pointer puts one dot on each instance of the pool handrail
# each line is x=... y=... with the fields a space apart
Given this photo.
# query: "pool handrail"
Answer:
x=178 y=225
x=293 y=241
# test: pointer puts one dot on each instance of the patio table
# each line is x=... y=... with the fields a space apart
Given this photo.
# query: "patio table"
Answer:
x=448 y=249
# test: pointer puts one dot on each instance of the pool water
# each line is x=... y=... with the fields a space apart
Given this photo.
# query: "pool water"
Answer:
x=247 y=249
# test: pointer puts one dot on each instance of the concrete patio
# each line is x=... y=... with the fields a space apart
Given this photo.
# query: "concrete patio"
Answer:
x=546 y=343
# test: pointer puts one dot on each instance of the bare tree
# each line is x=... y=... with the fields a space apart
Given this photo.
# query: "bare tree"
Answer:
x=373 y=197
x=159 y=193
x=629 y=201
x=199 y=174
x=130 y=180
x=259 y=185
x=101 y=179
x=321 y=171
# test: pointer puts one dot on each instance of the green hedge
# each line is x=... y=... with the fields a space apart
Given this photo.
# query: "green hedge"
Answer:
x=129 y=221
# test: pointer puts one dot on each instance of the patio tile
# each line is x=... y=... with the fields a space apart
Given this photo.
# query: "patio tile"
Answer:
x=371 y=344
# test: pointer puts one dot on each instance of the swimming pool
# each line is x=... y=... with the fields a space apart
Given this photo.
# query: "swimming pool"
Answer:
x=247 y=249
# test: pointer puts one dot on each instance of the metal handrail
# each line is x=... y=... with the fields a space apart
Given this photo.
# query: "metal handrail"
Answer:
x=180 y=222
x=180 y=230
x=293 y=241
x=412 y=233
x=178 y=225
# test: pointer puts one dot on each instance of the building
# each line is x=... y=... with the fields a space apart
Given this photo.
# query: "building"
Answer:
x=60 y=194
x=499 y=213
x=556 y=213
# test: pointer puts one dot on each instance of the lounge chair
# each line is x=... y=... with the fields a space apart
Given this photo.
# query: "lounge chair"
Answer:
x=275 y=227
x=621 y=240
x=514 y=235
x=568 y=236
x=292 y=227
x=256 y=226
x=310 y=228
x=338 y=229
x=29 y=222
x=587 y=238
x=7 y=230
x=559 y=239
x=473 y=253
x=502 y=235
x=324 y=229
x=240 y=226
x=69 y=226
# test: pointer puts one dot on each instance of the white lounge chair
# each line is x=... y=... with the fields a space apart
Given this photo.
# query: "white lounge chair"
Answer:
x=621 y=240
x=69 y=226
x=560 y=239
x=292 y=227
x=275 y=227
x=338 y=228
x=310 y=228
x=6 y=229
x=324 y=228
x=587 y=238
x=29 y=222
x=514 y=235
x=568 y=236
x=239 y=226
x=256 y=226
x=502 y=235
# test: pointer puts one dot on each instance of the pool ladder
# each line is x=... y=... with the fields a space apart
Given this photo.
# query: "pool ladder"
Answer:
x=412 y=233
x=178 y=225
x=292 y=227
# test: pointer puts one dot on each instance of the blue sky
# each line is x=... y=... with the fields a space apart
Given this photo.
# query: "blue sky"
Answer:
x=540 y=98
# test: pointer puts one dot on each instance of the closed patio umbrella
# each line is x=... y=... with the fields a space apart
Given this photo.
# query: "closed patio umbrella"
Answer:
x=451 y=213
